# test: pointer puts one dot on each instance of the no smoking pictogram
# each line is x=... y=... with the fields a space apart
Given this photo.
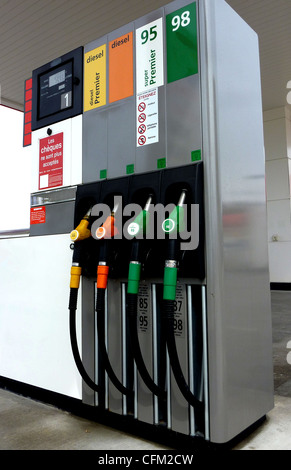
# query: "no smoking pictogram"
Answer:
x=142 y=128
x=141 y=107
x=142 y=140
x=142 y=117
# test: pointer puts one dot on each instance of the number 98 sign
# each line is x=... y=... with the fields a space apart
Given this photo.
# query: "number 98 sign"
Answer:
x=182 y=49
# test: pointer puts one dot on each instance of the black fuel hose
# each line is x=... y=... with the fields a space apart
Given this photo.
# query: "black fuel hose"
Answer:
x=131 y=309
x=135 y=347
x=100 y=311
x=168 y=317
x=168 y=314
x=74 y=342
x=101 y=343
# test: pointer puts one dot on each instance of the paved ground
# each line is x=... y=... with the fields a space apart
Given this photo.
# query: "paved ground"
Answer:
x=26 y=424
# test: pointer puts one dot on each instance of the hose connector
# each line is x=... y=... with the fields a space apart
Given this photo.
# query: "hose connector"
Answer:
x=76 y=272
x=133 y=277
x=170 y=280
x=102 y=275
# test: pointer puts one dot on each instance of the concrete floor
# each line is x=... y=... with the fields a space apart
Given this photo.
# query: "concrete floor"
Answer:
x=27 y=424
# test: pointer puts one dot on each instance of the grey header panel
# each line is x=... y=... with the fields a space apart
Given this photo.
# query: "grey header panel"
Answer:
x=110 y=145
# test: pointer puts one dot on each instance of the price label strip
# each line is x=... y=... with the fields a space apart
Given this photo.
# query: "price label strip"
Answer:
x=180 y=311
x=144 y=309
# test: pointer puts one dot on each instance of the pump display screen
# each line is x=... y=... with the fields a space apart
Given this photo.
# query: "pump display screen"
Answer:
x=55 y=90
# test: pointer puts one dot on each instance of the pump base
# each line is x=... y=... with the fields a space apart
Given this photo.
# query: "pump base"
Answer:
x=158 y=434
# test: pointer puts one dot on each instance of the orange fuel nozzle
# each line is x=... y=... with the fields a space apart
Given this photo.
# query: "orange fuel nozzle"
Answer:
x=108 y=229
x=81 y=232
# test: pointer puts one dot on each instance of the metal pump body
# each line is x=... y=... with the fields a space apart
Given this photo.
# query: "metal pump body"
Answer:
x=167 y=105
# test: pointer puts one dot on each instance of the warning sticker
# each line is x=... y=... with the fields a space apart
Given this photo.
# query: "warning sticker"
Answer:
x=147 y=113
x=37 y=215
x=51 y=161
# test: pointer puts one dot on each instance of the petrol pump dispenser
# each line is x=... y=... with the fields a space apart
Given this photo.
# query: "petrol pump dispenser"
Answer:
x=158 y=176
x=173 y=135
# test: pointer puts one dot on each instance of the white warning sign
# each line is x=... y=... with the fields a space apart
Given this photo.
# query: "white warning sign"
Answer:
x=147 y=113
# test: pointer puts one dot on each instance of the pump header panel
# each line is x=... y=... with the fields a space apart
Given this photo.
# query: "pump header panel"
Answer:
x=57 y=90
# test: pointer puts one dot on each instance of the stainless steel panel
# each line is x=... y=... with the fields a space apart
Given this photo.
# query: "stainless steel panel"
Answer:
x=88 y=338
x=53 y=196
x=121 y=137
x=179 y=406
x=184 y=133
x=145 y=335
x=114 y=345
x=238 y=298
x=95 y=144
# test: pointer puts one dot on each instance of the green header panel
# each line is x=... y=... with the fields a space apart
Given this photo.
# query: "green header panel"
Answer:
x=182 y=49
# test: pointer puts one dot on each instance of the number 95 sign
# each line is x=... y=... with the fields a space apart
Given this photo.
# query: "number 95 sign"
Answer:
x=149 y=56
x=182 y=49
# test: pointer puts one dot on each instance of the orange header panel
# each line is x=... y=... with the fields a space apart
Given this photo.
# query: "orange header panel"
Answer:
x=121 y=67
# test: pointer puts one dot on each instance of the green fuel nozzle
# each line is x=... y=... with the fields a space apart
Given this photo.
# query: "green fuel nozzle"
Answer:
x=175 y=226
x=139 y=226
x=175 y=222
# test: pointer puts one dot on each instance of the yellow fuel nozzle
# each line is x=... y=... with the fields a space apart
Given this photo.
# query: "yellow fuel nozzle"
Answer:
x=81 y=232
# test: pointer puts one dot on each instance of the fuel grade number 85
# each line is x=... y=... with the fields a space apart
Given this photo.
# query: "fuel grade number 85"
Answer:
x=143 y=316
x=143 y=309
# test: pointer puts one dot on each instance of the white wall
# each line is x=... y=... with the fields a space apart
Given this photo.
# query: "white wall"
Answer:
x=277 y=128
x=14 y=174
x=34 y=317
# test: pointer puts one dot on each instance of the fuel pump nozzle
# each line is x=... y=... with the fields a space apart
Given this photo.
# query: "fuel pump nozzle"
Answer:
x=108 y=229
x=104 y=233
x=140 y=226
x=169 y=296
x=80 y=233
x=175 y=224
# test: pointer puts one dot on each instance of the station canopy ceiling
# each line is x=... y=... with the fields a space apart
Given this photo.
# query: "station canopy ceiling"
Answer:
x=34 y=32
